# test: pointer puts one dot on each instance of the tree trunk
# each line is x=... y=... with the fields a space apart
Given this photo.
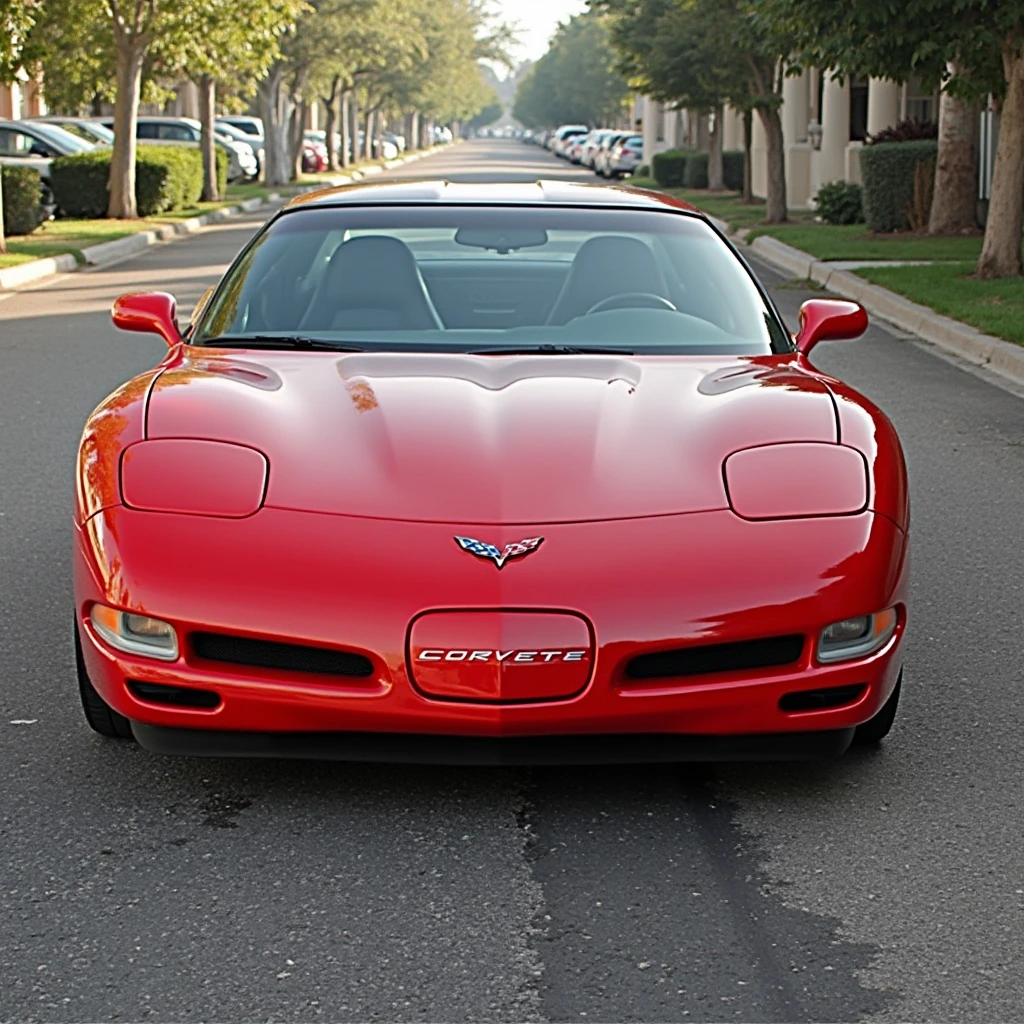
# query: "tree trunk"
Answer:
x=356 y=127
x=368 y=136
x=276 y=109
x=1000 y=251
x=121 y=204
x=776 y=164
x=748 y=156
x=716 y=171
x=296 y=131
x=412 y=140
x=955 y=199
x=3 y=237
x=331 y=103
x=207 y=100
x=346 y=131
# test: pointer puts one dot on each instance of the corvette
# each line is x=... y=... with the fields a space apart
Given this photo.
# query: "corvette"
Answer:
x=490 y=474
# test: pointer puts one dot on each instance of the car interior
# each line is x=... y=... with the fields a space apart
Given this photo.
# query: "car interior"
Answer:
x=501 y=281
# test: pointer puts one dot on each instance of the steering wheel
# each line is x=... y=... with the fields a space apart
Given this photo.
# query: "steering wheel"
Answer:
x=632 y=300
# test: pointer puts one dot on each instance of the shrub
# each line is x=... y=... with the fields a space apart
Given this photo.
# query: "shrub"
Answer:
x=166 y=178
x=906 y=131
x=893 y=186
x=840 y=202
x=23 y=211
x=669 y=167
x=643 y=171
x=695 y=173
x=733 y=161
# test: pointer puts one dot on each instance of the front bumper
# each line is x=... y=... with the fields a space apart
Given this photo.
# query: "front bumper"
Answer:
x=357 y=584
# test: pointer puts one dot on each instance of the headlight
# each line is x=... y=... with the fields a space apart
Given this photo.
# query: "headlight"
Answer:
x=790 y=481
x=200 y=478
x=135 y=634
x=857 y=637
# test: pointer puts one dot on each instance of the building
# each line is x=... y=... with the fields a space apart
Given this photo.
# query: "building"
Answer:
x=22 y=98
x=824 y=124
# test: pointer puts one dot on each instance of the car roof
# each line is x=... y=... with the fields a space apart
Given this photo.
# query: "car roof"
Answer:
x=537 y=193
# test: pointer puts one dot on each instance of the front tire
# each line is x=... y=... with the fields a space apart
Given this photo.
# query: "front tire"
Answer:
x=877 y=728
x=102 y=718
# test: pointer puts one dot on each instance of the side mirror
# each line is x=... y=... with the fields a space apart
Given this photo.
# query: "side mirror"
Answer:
x=149 y=313
x=829 y=320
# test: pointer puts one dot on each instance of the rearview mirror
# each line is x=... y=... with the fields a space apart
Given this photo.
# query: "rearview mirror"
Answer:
x=501 y=240
x=829 y=320
x=148 y=313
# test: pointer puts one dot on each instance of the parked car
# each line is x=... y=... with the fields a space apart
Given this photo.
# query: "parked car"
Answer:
x=591 y=144
x=596 y=502
x=244 y=123
x=604 y=152
x=625 y=156
x=563 y=134
x=574 y=147
x=34 y=144
x=90 y=131
x=255 y=143
x=314 y=152
x=186 y=131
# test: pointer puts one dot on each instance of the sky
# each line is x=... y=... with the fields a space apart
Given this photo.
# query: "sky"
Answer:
x=537 y=20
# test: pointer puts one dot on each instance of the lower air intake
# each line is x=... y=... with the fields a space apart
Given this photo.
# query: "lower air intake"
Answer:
x=240 y=650
x=821 y=700
x=707 y=659
x=174 y=696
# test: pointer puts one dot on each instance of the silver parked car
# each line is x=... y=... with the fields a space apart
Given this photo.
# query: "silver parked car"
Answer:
x=91 y=131
x=35 y=145
x=625 y=156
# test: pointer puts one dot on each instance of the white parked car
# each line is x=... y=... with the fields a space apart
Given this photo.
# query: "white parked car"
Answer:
x=186 y=131
x=563 y=134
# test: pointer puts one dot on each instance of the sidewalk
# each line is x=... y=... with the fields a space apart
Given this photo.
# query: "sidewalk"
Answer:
x=958 y=339
x=22 y=274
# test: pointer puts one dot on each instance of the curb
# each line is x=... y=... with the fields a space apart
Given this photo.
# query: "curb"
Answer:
x=952 y=336
x=23 y=274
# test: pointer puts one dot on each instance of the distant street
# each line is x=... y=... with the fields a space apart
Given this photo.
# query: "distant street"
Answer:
x=887 y=886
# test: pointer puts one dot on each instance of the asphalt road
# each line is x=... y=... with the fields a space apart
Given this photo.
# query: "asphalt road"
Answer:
x=886 y=886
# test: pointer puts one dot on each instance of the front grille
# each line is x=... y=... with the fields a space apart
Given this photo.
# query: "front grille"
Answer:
x=708 y=659
x=174 y=696
x=240 y=650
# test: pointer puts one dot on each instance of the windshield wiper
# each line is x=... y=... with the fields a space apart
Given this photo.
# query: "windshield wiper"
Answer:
x=297 y=341
x=550 y=350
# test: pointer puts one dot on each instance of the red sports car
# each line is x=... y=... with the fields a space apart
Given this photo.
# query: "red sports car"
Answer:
x=512 y=473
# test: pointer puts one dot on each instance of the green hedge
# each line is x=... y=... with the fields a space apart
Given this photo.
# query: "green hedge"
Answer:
x=894 y=190
x=733 y=161
x=23 y=212
x=668 y=167
x=695 y=172
x=166 y=178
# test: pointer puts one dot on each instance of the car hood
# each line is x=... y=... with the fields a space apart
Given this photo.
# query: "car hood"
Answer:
x=492 y=439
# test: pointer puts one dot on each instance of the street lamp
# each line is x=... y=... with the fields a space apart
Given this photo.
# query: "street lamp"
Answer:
x=814 y=133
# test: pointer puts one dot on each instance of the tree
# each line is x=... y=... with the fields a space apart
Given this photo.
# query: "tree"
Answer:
x=576 y=80
x=704 y=53
x=977 y=48
x=16 y=20
x=226 y=40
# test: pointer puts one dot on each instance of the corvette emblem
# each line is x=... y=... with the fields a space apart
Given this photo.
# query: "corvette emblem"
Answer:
x=499 y=558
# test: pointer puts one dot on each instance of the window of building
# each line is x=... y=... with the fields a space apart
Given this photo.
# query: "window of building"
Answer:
x=858 y=109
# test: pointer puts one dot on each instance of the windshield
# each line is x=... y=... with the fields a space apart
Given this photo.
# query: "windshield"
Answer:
x=63 y=139
x=474 y=278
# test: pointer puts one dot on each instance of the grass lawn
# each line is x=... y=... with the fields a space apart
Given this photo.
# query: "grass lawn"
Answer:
x=995 y=307
x=854 y=242
x=61 y=236
x=824 y=241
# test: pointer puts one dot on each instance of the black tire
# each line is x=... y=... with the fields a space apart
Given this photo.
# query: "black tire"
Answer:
x=877 y=728
x=102 y=718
